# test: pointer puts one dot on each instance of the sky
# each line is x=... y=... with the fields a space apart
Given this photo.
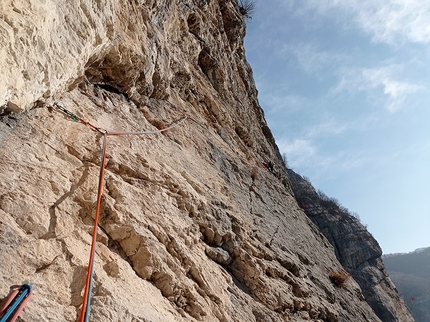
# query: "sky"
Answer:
x=344 y=85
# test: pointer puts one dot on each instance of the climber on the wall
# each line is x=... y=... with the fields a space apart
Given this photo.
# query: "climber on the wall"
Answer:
x=270 y=167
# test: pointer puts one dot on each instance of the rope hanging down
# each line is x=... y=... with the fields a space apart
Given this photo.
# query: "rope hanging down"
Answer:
x=15 y=303
x=85 y=310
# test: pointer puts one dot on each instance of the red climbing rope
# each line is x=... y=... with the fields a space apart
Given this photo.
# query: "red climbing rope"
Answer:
x=85 y=311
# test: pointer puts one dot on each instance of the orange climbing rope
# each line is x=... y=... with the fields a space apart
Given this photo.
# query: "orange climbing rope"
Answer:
x=85 y=310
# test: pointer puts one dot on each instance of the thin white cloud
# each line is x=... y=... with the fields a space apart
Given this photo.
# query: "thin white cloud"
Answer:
x=376 y=81
x=300 y=152
x=396 y=20
x=389 y=21
x=280 y=103
x=311 y=59
x=303 y=153
x=327 y=127
x=308 y=57
x=276 y=98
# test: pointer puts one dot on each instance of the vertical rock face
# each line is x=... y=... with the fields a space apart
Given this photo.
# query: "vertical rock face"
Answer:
x=193 y=227
x=356 y=249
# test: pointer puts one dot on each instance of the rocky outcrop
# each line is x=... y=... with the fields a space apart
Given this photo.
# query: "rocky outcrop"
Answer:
x=193 y=226
x=356 y=249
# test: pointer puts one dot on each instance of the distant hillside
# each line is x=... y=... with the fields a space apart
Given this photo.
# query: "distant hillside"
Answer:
x=411 y=274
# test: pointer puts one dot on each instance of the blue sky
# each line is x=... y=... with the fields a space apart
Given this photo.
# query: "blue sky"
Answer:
x=344 y=86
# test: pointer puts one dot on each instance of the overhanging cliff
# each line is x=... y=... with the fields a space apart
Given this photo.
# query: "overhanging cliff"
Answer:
x=193 y=226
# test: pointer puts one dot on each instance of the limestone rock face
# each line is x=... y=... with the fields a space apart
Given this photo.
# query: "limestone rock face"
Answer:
x=357 y=250
x=193 y=227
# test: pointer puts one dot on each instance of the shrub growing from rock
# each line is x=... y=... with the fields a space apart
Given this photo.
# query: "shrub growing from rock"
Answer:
x=338 y=277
